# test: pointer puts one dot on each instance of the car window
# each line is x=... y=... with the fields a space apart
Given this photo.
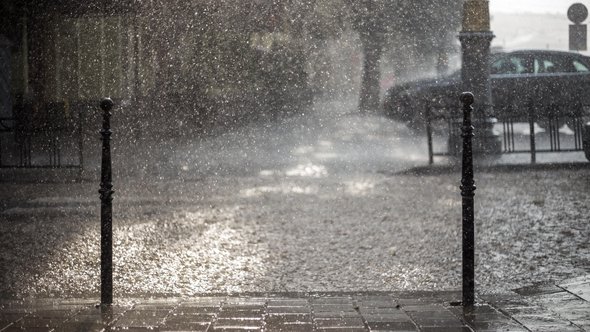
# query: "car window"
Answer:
x=552 y=63
x=510 y=65
x=546 y=66
x=580 y=67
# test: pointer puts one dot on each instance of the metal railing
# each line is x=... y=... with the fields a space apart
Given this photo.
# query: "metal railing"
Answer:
x=46 y=137
x=559 y=128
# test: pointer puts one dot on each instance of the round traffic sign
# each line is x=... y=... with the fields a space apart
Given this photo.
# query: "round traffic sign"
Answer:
x=577 y=13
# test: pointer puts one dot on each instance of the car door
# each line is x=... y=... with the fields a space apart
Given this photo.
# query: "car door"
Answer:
x=580 y=67
x=563 y=81
x=553 y=82
x=510 y=74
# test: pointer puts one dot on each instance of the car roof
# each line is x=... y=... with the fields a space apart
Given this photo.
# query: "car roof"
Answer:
x=541 y=52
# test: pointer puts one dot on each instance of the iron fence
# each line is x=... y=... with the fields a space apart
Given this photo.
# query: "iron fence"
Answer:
x=559 y=128
x=48 y=136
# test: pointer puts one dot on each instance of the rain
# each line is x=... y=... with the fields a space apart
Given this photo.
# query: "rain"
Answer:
x=253 y=150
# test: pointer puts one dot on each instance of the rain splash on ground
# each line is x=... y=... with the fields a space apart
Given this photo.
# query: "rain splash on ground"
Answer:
x=325 y=200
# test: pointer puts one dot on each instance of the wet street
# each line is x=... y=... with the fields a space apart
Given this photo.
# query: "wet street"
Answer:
x=328 y=200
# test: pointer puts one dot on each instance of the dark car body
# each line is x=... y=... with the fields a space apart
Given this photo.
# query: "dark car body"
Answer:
x=543 y=79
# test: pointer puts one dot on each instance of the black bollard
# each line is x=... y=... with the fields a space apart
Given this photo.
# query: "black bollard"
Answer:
x=106 y=208
x=467 y=193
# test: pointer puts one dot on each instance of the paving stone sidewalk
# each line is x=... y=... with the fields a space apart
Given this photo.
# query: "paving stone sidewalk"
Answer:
x=559 y=307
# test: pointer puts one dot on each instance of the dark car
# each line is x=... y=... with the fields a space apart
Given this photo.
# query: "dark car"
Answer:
x=549 y=81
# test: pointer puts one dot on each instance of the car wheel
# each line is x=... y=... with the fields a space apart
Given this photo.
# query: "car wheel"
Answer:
x=569 y=122
x=572 y=124
x=416 y=115
x=390 y=107
x=571 y=118
x=402 y=110
x=543 y=124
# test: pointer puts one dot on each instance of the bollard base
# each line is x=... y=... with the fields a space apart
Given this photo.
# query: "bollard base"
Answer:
x=467 y=309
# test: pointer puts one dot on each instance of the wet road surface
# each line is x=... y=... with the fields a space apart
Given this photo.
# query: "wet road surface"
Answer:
x=325 y=201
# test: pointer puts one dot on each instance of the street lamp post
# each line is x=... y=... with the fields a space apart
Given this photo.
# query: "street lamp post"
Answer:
x=476 y=38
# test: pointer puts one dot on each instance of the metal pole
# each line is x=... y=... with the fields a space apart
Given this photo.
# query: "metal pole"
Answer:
x=467 y=192
x=532 y=119
x=429 y=136
x=80 y=144
x=106 y=208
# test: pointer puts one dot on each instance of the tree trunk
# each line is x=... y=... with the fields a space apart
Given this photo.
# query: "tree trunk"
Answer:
x=370 y=88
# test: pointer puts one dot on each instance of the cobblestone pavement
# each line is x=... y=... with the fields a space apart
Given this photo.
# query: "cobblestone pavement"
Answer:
x=544 y=307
